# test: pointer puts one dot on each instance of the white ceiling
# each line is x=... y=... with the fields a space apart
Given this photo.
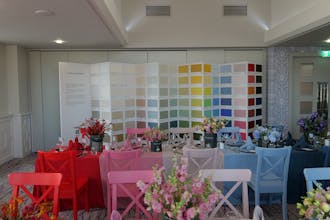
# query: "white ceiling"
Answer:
x=74 y=21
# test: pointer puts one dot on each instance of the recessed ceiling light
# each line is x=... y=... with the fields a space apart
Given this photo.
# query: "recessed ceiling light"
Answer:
x=327 y=41
x=59 y=41
x=44 y=12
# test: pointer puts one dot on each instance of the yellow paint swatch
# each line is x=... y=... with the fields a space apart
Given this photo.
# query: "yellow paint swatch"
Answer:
x=207 y=79
x=196 y=102
x=184 y=69
x=196 y=91
x=196 y=79
x=196 y=114
x=196 y=68
x=207 y=91
x=207 y=68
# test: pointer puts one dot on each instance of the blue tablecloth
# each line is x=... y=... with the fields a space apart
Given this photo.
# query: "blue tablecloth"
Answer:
x=233 y=159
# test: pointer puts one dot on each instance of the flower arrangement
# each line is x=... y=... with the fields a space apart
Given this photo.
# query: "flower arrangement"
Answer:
x=266 y=133
x=10 y=211
x=212 y=125
x=316 y=204
x=179 y=197
x=93 y=126
x=314 y=124
x=155 y=134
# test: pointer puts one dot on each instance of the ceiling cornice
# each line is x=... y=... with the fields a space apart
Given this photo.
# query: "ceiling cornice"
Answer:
x=108 y=13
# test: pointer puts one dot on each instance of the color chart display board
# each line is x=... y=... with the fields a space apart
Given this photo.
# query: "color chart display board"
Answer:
x=165 y=96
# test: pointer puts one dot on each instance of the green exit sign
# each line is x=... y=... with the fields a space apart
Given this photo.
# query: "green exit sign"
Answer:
x=325 y=53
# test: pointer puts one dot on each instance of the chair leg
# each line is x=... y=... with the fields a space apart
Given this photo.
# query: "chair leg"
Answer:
x=75 y=215
x=284 y=206
x=86 y=200
x=256 y=197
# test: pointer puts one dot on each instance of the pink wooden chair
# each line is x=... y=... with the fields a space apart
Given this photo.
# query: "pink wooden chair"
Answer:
x=202 y=159
x=241 y=177
x=117 y=161
x=134 y=133
x=120 y=180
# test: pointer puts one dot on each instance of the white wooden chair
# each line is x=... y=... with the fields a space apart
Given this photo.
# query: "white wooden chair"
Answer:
x=182 y=135
x=241 y=177
x=198 y=159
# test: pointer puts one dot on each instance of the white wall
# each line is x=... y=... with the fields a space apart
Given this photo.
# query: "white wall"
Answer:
x=195 y=23
x=3 y=82
x=45 y=88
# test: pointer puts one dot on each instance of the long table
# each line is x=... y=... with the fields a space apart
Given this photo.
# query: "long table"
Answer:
x=233 y=159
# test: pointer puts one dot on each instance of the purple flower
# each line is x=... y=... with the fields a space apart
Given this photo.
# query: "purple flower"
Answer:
x=301 y=123
x=314 y=116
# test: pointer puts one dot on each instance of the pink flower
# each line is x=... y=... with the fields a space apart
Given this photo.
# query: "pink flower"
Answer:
x=156 y=206
x=191 y=213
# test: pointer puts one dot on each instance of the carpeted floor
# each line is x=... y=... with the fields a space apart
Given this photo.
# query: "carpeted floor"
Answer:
x=271 y=212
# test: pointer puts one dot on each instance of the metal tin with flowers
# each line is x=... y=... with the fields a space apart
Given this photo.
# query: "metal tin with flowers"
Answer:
x=180 y=196
x=266 y=134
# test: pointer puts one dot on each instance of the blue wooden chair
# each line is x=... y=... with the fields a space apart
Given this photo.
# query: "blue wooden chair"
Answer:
x=271 y=175
x=314 y=174
x=230 y=133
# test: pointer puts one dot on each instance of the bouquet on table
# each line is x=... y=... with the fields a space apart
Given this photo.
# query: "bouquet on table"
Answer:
x=212 y=125
x=316 y=204
x=155 y=134
x=267 y=134
x=315 y=125
x=179 y=197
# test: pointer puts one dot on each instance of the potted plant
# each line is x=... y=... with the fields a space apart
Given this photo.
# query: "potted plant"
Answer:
x=210 y=127
x=155 y=136
x=315 y=125
x=95 y=129
x=179 y=196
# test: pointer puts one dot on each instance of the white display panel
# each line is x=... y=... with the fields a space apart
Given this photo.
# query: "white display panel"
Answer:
x=75 y=98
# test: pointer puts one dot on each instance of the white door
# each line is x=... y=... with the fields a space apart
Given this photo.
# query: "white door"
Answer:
x=310 y=89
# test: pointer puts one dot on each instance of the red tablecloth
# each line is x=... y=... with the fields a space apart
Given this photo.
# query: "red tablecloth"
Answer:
x=87 y=165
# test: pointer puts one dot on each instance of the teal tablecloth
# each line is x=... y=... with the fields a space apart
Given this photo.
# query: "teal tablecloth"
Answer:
x=233 y=159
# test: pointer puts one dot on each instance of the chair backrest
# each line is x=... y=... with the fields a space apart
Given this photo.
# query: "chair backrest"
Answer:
x=123 y=180
x=50 y=182
x=182 y=135
x=240 y=177
x=135 y=132
x=60 y=162
x=273 y=164
x=201 y=159
x=123 y=160
x=312 y=175
x=229 y=133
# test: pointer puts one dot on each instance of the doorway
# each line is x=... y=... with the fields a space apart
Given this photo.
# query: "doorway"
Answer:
x=309 y=89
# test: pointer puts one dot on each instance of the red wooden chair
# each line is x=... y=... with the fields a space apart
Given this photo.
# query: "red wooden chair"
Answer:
x=50 y=182
x=71 y=186
x=121 y=180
